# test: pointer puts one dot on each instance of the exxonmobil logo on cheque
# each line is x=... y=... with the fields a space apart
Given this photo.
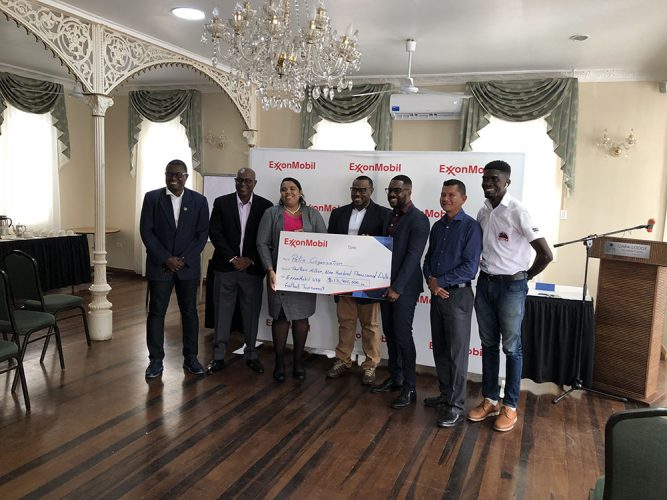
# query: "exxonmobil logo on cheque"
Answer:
x=279 y=166
x=292 y=242
x=374 y=167
x=460 y=169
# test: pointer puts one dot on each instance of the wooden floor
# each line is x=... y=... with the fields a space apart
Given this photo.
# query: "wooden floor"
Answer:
x=99 y=430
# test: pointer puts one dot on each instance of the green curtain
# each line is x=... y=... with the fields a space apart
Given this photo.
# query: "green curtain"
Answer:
x=39 y=97
x=164 y=105
x=555 y=99
x=349 y=106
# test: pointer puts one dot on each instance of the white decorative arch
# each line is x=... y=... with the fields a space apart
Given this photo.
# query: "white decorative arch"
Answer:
x=102 y=57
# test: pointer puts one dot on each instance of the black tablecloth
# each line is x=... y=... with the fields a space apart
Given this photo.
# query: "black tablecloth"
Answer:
x=549 y=333
x=63 y=261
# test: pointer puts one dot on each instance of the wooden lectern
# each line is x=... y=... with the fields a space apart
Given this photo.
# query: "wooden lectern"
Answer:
x=632 y=288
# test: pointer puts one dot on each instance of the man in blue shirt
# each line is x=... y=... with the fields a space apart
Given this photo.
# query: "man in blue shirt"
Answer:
x=451 y=263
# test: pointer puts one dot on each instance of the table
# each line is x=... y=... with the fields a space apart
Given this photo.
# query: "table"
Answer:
x=63 y=261
x=548 y=334
x=91 y=230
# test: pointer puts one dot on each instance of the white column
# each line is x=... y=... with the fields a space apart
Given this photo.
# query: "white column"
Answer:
x=99 y=313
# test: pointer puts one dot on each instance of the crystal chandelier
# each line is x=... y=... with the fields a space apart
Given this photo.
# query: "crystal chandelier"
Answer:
x=284 y=60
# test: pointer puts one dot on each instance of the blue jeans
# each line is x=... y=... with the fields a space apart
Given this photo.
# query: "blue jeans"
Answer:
x=499 y=307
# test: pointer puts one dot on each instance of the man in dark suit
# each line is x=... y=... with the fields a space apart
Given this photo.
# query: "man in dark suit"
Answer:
x=238 y=270
x=174 y=229
x=364 y=217
x=409 y=228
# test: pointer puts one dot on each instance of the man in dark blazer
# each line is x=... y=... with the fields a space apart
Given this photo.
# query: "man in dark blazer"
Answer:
x=409 y=228
x=364 y=217
x=174 y=229
x=238 y=270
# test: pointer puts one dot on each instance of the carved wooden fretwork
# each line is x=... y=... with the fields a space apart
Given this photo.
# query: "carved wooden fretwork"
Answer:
x=102 y=58
x=69 y=38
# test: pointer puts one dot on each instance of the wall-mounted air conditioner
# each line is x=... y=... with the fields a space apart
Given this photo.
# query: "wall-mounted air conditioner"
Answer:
x=425 y=106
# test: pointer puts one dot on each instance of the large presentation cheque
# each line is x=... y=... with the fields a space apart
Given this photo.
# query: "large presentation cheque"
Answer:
x=332 y=263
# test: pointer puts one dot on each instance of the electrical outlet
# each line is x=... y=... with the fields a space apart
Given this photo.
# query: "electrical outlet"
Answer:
x=563 y=215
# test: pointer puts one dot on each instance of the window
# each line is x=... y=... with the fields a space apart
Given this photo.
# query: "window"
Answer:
x=159 y=143
x=543 y=179
x=355 y=136
x=29 y=170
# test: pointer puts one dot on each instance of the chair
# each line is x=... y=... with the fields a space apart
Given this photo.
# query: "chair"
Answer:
x=11 y=349
x=635 y=456
x=24 y=280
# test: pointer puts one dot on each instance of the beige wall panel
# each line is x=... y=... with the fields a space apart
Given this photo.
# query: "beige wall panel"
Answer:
x=76 y=178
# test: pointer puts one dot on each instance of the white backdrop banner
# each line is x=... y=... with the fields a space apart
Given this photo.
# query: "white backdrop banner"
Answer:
x=326 y=177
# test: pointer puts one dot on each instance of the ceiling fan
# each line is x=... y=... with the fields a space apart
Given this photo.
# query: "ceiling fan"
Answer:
x=407 y=85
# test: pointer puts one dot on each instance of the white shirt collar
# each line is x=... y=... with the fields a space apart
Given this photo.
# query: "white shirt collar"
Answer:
x=239 y=202
x=169 y=193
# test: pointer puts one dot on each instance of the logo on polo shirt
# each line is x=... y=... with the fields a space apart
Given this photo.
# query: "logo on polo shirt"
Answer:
x=503 y=236
x=535 y=229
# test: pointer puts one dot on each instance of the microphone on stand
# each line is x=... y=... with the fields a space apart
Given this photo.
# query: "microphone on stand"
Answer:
x=649 y=225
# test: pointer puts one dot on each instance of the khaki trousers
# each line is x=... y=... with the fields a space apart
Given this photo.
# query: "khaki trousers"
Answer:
x=348 y=311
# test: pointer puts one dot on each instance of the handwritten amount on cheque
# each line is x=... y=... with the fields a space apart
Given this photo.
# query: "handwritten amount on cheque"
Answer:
x=311 y=274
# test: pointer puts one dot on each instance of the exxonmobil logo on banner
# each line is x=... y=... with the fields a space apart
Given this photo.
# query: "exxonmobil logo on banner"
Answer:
x=327 y=207
x=472 y=351
x=291 y=242
x=434 y=214
x=374 y=167
x=460 y=169
x=279 y=166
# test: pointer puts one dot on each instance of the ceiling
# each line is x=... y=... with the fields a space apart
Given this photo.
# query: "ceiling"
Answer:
x=456 y=40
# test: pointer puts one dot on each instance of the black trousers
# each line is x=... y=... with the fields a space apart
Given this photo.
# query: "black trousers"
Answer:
x=450 y=332
x=186 y=295
x=397 y=327
x=249 y=288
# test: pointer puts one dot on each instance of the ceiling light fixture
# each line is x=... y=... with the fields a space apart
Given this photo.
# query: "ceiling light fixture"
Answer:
x=188 y=13
x=272 y=50
x=579 y=38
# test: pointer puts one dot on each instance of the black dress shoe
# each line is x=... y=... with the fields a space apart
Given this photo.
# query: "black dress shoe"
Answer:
x=387 y=386
x=154 y=369
x=279 y=373
x=299 y=374
x=255 y=365
x=437 y=401
x=193 y=365
x=215 y=366
x=406 y=398
x=452 y=417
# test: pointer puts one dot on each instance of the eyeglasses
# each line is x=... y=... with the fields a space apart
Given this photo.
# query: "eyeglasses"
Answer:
x=178 y=175
x=358 y=190
x=247 y=182
x=394 y=190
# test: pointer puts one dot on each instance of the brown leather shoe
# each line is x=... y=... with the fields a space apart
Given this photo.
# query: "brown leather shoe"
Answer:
x=339 y=368
x=505 y=420
x=369 y=376
x=483 y=410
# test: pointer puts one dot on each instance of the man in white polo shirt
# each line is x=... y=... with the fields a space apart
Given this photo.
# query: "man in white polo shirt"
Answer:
x=509 y=236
